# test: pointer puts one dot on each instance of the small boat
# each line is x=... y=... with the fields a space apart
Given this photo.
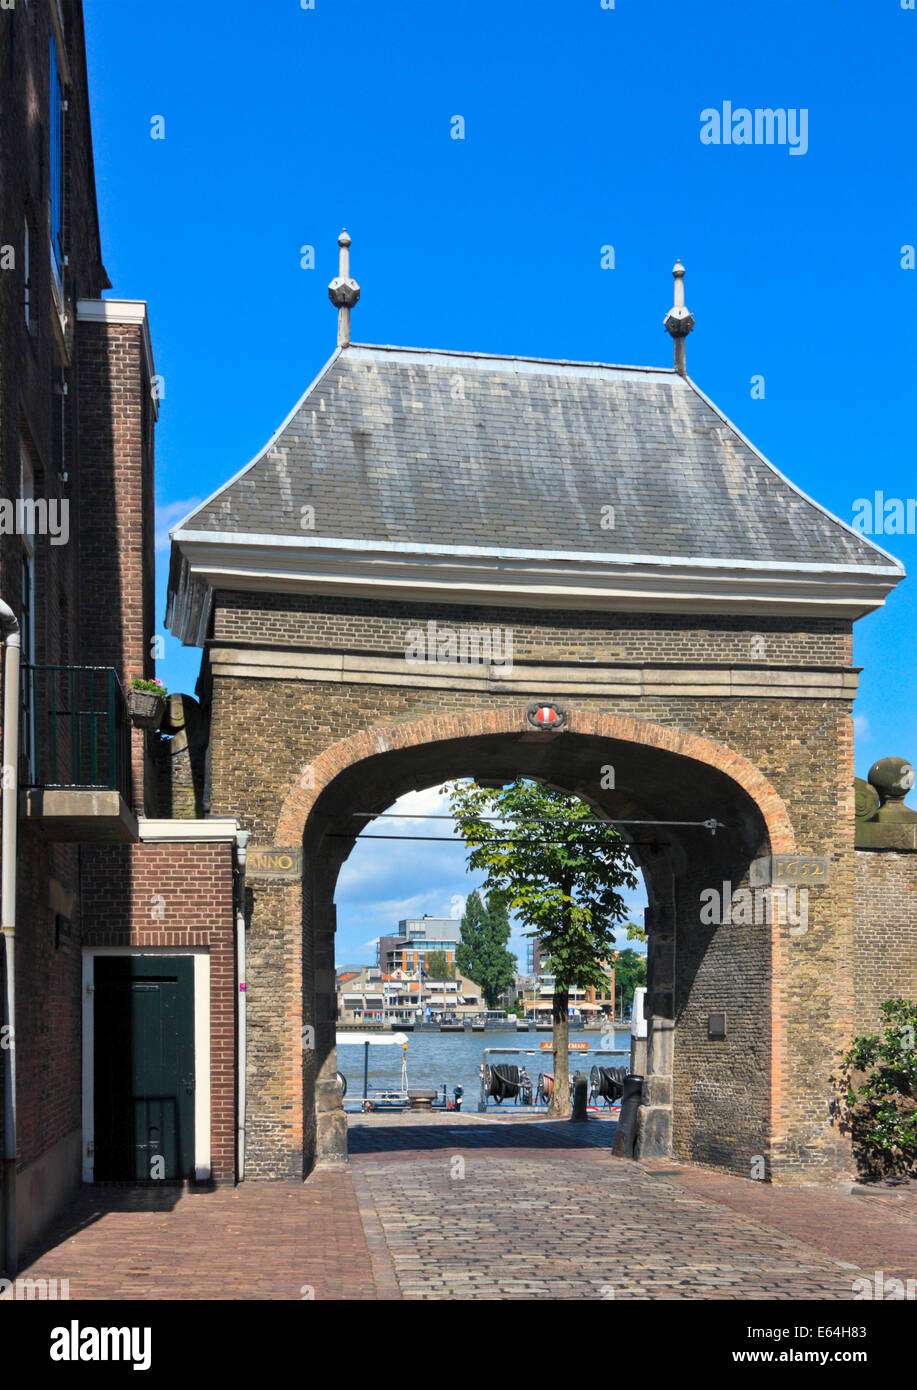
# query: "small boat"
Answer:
x=379 y=1100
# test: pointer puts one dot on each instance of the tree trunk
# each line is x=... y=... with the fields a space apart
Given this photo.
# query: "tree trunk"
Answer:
x=559 y=1109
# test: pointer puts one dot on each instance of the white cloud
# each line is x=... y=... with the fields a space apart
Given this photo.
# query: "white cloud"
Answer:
x=861 y=727
x=419 y=805
x=167 y=514
x=385 y=881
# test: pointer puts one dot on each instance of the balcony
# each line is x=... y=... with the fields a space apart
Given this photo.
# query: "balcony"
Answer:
x=76 y=754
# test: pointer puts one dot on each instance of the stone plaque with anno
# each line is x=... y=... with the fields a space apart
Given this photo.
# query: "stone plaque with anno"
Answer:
x=271 y=862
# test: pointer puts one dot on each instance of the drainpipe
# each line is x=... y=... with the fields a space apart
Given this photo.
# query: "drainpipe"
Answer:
x=11 y=636
x=242 y=839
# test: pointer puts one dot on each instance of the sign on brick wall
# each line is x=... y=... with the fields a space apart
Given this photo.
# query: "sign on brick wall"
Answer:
x=791 y=871
x=271 y=862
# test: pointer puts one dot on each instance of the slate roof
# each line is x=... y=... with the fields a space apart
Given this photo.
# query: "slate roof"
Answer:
x=437 y=448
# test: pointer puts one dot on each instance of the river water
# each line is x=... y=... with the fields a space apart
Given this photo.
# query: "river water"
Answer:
x=453 y=1059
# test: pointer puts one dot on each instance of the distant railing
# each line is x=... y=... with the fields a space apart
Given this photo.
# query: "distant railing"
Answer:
x=76 y=730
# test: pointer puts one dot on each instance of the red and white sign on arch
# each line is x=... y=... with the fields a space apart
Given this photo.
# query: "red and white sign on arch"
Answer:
x=546 y=716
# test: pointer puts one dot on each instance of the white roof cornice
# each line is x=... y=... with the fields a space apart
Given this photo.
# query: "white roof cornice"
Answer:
x=205 y=561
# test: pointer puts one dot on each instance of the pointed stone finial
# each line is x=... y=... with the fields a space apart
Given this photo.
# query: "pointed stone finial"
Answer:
x=344 y=292
x=678 y=322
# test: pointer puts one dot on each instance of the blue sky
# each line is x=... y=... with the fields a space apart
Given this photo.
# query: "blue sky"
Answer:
x=582 y=130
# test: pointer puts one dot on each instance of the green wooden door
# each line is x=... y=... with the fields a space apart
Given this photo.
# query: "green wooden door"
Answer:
x=144 y=1068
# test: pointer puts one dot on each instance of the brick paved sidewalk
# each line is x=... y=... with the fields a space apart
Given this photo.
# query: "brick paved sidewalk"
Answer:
x=875 y=1226
x=260 y=1240
x=482 y=1207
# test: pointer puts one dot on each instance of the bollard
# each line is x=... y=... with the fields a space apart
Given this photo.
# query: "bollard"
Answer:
x=580 y=1096
x=626 y=1133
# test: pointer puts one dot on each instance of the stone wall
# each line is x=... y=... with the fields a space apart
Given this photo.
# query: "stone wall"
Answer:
x=886 y=932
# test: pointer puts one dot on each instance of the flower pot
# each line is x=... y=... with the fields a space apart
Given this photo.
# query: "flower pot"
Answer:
x=146 y=708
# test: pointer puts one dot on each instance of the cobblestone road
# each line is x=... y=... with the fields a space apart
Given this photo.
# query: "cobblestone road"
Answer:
x=510 y=1212
x=495 y=1208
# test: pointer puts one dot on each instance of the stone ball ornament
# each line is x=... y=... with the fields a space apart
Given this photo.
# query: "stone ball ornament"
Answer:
x=892 y=778
x=343 y=293
x=866 y=799
x=679 y=322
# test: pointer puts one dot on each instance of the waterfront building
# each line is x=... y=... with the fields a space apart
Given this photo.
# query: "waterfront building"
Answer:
x=367 y=995
x=417 y=938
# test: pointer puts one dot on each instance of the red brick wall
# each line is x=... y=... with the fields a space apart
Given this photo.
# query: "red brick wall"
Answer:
x=176 y=895
x=48 y=976
x=89 y=438
x=116 y=511
x=35 y=364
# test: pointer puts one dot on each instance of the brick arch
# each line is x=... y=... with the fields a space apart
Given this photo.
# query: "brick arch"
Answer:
x=369 y=743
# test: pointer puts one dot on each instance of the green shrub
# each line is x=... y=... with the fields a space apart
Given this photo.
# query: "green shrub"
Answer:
x=878 y=1103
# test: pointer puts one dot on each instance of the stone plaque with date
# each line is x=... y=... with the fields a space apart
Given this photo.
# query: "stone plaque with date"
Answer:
x=791 y=871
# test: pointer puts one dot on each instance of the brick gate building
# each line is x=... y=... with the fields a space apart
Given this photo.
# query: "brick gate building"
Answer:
x=432 y=546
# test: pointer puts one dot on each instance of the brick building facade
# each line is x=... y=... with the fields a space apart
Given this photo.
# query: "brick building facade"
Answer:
x=78 y=405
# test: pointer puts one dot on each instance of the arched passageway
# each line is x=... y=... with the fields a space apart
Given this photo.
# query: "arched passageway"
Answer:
x=705 y=1098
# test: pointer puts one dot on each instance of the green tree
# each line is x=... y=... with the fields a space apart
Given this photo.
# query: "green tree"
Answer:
x=878 y=1102
x=437 y=966
x=550 y=860
x=630 y=971
x=481 y=954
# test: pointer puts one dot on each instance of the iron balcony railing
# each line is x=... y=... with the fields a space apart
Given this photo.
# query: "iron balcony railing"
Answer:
x=76 y=729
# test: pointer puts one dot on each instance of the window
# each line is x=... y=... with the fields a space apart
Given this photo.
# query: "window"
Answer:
x=57 y=107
